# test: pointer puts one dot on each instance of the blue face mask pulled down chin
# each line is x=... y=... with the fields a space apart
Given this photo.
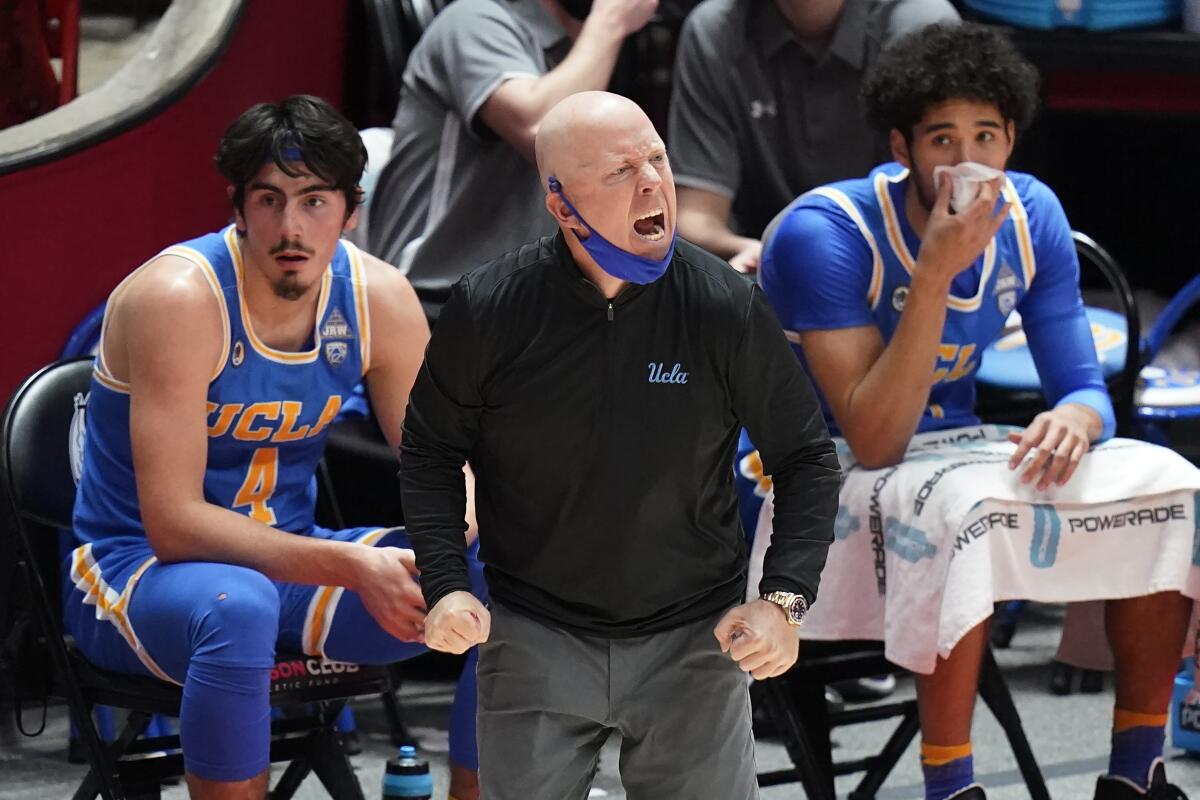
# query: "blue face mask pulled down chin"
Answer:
x=612 y=259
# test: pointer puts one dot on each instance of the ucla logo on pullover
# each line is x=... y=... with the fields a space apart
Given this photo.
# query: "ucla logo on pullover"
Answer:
x=659 y=373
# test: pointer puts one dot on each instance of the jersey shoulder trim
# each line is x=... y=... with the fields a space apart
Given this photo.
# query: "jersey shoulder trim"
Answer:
x=847 y=205
x=362 y=310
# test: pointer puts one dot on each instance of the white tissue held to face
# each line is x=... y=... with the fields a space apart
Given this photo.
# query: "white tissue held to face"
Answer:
x=966 y=178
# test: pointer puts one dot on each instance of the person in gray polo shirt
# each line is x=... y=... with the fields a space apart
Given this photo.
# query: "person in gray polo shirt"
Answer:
x=765 y=107
x=460 y=187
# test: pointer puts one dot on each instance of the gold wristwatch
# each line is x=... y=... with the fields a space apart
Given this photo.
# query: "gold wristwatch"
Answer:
x=794 y=605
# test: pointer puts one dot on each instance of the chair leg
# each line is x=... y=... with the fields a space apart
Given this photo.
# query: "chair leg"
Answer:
x=332 y=766
x=393 y=712
x=102 y=778
x=889 y=756
x=994 y=691
x=798 y=719
x=290 y=780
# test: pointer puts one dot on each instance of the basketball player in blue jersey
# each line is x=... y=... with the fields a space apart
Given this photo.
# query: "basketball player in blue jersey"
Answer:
x=222 y=362
x=890 y=298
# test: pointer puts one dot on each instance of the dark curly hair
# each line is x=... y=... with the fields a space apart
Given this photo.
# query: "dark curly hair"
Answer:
x=301 y=125
x=948 y=61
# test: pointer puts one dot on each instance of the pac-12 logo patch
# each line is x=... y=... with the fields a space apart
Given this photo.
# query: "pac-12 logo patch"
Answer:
x=239 y=353
x=899 y=297
x=335 y=352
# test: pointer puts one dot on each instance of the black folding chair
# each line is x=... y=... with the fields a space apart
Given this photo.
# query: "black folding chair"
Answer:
x=39 y=490
x=796 y=704
x=1017 y=406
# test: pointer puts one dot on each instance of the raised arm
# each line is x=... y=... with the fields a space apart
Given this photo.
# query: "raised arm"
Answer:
x=877 y=392
x=515 y=109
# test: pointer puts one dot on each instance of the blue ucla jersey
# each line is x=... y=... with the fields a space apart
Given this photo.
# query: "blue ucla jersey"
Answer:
x=268 y=417
x=842 y=256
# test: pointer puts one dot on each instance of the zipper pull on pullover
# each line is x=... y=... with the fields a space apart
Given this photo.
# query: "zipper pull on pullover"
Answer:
x=610 y=311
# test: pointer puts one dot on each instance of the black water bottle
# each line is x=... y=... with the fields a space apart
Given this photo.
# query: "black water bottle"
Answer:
x=407 y=777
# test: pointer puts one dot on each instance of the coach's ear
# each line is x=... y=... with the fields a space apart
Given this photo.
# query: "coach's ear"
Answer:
x=899 y=146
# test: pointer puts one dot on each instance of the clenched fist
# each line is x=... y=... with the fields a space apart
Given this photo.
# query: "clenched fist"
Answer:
x=457 y=623
x=758 y=637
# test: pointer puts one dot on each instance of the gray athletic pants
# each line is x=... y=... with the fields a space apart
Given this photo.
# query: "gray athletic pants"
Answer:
x=548 y=700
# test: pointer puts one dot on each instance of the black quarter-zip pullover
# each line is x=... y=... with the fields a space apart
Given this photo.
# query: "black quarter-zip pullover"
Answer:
x=602 y=435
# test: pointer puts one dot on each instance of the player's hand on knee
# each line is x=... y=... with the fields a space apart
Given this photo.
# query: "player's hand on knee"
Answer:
x=456 y=623
x=386 y=581
x=1055 y=442
x=758 y=637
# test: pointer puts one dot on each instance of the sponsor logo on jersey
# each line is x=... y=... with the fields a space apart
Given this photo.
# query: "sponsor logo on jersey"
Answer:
x=899 y=296
x=336 y=352
x=238 y=355
x=336 y=326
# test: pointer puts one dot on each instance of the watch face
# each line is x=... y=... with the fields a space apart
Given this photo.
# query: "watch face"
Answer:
x=797 y=609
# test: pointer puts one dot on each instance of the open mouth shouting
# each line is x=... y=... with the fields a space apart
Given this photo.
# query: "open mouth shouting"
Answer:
x=651 y=226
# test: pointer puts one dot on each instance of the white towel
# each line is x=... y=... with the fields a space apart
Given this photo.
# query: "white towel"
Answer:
x=923 y=549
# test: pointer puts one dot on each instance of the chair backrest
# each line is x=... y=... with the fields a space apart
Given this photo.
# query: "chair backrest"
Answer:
x=1090 y=252
x=395 y=27
x=36 y=447
x=1171 y=315
x=38 y=490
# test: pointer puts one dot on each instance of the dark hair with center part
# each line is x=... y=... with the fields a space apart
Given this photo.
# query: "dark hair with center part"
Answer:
x=300 y=128
x=949 y=61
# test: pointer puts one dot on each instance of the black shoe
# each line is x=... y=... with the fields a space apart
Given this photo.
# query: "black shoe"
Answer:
x=1113 y=787
x=972 y=792
x=1091 y=681
x=1061 y=677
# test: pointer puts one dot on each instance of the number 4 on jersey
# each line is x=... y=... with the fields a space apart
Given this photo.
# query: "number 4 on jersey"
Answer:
x=259 y=485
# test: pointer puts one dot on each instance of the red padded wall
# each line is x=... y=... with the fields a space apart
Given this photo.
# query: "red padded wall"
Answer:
x=71 y=229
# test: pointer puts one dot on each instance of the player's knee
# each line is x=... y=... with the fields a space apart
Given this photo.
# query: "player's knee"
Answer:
x=241 y=619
